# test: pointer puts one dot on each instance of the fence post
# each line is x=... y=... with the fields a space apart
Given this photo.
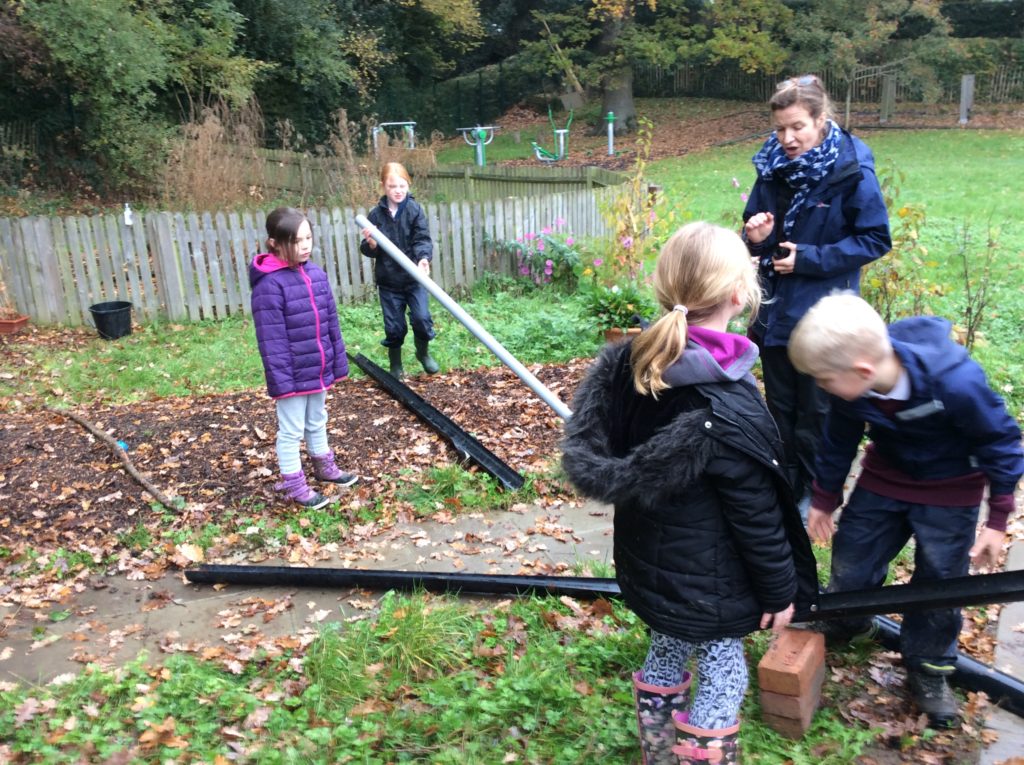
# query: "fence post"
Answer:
x=966 y=98
x=888 y=98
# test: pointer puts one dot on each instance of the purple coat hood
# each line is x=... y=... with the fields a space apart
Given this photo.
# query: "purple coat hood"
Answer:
x=297 y=329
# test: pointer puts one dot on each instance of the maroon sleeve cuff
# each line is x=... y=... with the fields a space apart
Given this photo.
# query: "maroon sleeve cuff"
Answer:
x=1000 y=507
x=825 y=500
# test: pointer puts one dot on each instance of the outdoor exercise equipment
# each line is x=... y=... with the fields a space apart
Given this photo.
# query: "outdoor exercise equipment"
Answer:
x=561 y=141
x=610 y=119
x=982 y=589
x=467 y=321
x=408 y=128
x=464 y=443
x=478 y=137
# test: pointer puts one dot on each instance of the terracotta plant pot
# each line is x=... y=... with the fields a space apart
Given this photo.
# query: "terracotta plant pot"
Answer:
x=10 y=326
x=618 y=334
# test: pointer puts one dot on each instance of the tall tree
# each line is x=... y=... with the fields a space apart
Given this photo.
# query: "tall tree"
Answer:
x=602 y=41
x=111 y=73
x=856 y=38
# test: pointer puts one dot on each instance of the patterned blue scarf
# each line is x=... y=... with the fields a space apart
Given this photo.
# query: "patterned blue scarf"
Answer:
x=800 y=173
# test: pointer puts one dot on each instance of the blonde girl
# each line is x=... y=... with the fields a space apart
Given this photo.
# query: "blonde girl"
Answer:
x=708 y=543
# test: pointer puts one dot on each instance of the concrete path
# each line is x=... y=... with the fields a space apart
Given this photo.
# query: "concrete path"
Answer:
x=1009 y=748
x=113 y=620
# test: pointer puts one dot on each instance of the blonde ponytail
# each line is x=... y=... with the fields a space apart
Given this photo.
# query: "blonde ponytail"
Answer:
x=698 y=269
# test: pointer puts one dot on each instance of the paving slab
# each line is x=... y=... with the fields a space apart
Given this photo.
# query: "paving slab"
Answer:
x=1009 y=658
x=114 y=619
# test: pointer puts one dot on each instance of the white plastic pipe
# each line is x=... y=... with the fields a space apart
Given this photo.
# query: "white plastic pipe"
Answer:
x=468 y=321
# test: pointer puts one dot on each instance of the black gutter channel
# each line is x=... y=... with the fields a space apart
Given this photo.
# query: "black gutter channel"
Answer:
x=464 y=443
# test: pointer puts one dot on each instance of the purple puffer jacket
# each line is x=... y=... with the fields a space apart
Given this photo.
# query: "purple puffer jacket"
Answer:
x=296 y=327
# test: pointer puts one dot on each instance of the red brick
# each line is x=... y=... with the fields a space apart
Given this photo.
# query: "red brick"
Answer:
x=800 y=708
x=791 y=663
x=786 y=726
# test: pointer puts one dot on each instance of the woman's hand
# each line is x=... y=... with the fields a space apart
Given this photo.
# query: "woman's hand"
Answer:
x=777 y=621
x=787 y=264
x=369 y=239
x=759 y=227
x=424 y=265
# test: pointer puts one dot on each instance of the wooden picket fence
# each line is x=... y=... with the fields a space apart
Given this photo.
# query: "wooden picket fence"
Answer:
x=181 y=267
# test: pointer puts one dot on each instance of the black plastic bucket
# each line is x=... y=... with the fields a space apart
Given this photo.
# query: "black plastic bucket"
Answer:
x=113 y=319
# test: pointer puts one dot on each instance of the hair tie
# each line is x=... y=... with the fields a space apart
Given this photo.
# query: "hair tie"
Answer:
x=681 y=308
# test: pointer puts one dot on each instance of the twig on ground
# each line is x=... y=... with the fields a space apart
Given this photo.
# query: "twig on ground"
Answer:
x=121 y=454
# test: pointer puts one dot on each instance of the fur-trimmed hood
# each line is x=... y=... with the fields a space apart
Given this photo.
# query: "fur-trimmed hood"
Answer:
x=676 y=454
x=668 y=462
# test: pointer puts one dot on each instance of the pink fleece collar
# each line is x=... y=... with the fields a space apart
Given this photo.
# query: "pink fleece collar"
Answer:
x=724 y=347
x=268 y=262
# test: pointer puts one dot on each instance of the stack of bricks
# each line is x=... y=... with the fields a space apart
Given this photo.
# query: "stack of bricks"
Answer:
x=790 y=675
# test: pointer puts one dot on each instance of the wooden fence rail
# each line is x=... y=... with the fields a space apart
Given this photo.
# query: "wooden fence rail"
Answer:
x=297 y=174
x=179 y=266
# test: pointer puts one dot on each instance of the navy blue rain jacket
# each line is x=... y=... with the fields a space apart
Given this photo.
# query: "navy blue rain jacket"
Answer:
x=409 y=232
x=843 y=225
x=296 y=322
x=954 y=424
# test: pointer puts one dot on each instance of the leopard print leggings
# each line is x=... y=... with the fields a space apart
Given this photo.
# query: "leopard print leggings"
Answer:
x=720 y=680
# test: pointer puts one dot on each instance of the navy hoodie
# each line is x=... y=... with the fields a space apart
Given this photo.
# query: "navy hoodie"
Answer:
x=953 y=426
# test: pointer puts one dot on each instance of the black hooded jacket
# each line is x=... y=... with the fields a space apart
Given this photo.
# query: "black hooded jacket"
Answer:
x=409 y=231
x=707 y=535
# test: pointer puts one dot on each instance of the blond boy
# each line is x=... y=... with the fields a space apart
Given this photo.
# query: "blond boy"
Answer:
x=938 y=435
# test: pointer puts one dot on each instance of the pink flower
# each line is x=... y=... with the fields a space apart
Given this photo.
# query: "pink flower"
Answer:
x=743 y=196
x=559 y=222
x=548 y=267
x=627 y=242
x=546 y=230
x=540 y=245
x=519 y=238
x=735 y=183
x=598 y=262
x=569 y=241
x=524 y=270
x=530 y=236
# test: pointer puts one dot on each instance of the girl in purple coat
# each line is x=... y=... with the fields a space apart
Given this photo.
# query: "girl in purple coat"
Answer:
x=302 y=349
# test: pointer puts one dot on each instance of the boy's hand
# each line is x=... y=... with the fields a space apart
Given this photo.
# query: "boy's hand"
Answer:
x=369 y=239
x=820 y=526
x=779 y=620
x=758 y=227
x=424 y=265
x=987 y=547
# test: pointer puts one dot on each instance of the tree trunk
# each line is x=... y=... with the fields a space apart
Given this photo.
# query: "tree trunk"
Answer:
x=616 y=83
x=617 y=97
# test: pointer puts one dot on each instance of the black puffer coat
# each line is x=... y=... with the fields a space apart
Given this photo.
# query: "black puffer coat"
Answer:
x=707 y=536
x=410 y=232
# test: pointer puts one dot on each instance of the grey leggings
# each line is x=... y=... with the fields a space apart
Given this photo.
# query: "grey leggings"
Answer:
x=721 y=677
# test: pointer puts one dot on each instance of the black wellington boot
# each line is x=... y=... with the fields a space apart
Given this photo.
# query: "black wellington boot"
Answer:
x=395 y=362
x=423 y=356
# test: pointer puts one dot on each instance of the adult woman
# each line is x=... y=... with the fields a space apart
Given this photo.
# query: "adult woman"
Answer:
x=815 y=216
